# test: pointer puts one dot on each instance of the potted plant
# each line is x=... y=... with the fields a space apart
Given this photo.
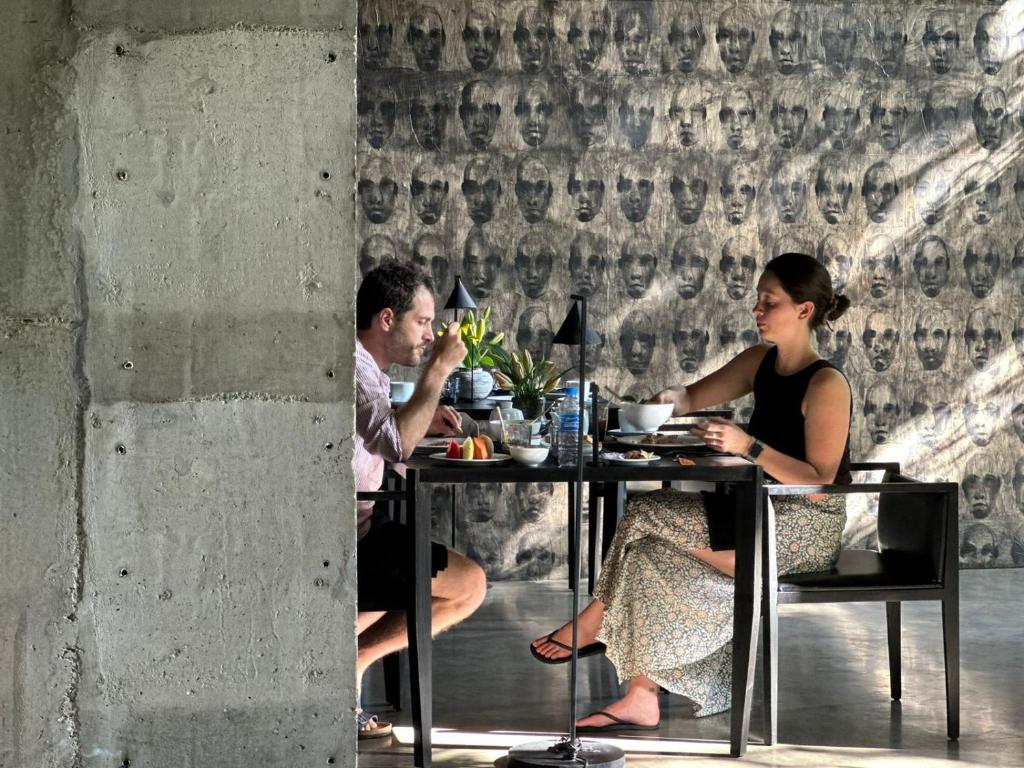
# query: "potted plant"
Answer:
x=474 y=382
x=528 y=381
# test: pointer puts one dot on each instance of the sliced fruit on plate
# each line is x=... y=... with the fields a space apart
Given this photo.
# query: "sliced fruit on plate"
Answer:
x=454 y=451
x=468 y=449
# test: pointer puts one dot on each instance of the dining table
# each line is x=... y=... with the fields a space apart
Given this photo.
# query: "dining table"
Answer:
x=606 y=482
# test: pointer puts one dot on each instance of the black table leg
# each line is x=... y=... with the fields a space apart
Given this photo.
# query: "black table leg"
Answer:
x=747 y=611
x=573 y=554
x=418 y=620
x=770 y=623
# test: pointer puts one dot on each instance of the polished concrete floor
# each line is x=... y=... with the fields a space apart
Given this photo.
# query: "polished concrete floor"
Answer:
x=833 y=693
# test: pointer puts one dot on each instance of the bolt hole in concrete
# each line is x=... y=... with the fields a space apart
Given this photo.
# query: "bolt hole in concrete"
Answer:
x=126 y=763
x=121 y=449
x=128 y=365
x=325 y=175
x=330 y=373
x=332 y=57
x=119 y=50
x=122 y=174
x=328 y=446
x=123 y=572
x=330 y=761
x=327 y=563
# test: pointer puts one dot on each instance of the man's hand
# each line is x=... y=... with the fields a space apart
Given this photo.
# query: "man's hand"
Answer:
x=449 y=349
x=446 y=422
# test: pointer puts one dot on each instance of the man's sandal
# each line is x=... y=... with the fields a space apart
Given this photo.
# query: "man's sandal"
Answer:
x=370 y=727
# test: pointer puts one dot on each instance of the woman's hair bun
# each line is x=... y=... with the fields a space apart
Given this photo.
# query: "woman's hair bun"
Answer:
x=837 y=307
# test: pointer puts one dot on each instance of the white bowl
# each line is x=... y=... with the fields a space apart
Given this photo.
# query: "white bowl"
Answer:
x=530 y=455
x=643 y=417
x=401 y=391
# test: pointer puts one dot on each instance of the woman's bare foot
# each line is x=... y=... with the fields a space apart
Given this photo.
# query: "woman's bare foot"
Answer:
x=638 y=706
x=589 y=625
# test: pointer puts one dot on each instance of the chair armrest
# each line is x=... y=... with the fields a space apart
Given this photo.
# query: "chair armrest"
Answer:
x=871 y=466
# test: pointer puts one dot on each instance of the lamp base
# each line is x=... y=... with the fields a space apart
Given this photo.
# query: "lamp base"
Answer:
x=557 y=754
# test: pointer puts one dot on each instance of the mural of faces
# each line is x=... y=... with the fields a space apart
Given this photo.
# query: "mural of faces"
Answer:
x=690 y=339
x=737 y=116
x=889 y=118
x=981 y=264
x=587 y=263
x=981 y=485
x=689 y=266
x=429 y=117
x=737 y=265
x=931 y=265
x=990 y=42
x=931 y=196
x=635 y=186
x=990 y=117
x=685 y=39
x=586 y=189
x=941 y=113
x=689 y=190
x=479 y=111
x=428 y=191
x=375 y=250
x=941 y=41
x=839 y=40
x=881 y=339
x=637 y=341
x=735 y=36
x=881 y=412
x=1017 y=334
x=429 y=253
x=687 y=115
x=789 y=192
x=933 y=329
x=978 y=547
x=375 y=35
x=1018 y=190
x=738 y=191
x=1017 y=265
x=833 y=346
x=1017 y=420
x=879 y=191
x=983 y=337
x=533 y=110
x=840 y=118
x=835 y=255
x=377 y=190
x=737 y=330
x=588 y=114
x=633 y=39
x=889 y=39
x=532 y=501
x=1018 y=484
x=981 y=190
x=981 y=420
x=481 y=187
x=481 y=264
x=376 y=115
x=533 y=188
x=931 y=415
x=533 y=35
x=638 y=263
x=481 y=37
x=588 y=35
x=881 y=266
x=534 y=332
x=788 y=117
x=832 y=189
x=787 y=38
x=535 y=255
x=426 y=37
x=636 y=115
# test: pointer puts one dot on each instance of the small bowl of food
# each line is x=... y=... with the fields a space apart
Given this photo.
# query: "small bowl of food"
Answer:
x=530 y=455
x=643 y=417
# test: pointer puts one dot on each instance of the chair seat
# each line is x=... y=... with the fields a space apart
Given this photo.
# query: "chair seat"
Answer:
x=861 y=568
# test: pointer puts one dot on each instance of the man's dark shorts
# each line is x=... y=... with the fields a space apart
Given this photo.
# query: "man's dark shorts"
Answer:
x=385 y=556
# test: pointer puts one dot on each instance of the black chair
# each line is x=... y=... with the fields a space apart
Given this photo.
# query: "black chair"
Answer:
x=916 y=560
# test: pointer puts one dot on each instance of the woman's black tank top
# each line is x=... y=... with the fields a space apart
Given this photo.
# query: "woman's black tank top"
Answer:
x=777 y=419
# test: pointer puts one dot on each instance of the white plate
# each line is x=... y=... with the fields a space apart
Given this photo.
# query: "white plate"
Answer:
x=434 y=444
x=618 y=458
x=497 y=458
x=665 y=440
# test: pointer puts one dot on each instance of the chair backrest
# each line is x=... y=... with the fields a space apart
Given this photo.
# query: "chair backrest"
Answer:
x=913 y=528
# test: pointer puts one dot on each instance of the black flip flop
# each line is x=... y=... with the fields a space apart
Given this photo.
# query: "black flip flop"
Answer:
x=616 y=724
x=592 y=649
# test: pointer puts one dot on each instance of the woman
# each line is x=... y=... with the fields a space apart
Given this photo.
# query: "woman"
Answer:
x=663 y=605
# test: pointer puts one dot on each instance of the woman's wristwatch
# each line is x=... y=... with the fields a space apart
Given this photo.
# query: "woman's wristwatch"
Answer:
x=754 y=450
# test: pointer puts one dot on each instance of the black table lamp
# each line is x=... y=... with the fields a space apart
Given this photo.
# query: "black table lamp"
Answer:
x=460 y=298
x=569 y=750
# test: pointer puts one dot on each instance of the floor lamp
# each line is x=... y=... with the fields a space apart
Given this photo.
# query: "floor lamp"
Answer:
x=570 y=750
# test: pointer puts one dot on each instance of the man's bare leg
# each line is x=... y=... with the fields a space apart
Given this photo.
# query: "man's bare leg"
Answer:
x=589 y=625
x=365 y=619
x=639 y=705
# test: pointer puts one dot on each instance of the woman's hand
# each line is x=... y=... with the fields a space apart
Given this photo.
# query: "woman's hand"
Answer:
x=677 y=396
x=723 y=435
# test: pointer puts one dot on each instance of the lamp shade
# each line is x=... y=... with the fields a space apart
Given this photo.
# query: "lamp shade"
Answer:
x=569 y=332
x=460 y=298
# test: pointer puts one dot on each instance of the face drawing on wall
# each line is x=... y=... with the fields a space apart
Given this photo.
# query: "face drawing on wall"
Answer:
x=376 y=115
x=374 y=251
x=689 y=266
x=532 y=36
x=588 y=114
x=981 y=420
x=688 y=114
x=637 y=341
x=981 y=189
x=735 y=37
x=535 y=255
x=479 y=111
x=533 y=188
x=983 y=337
x=481 y=187
x=429 y=253
x=440 y=512
x=586 y=189
x=534 y=333
x=377 y=190
x=428 y=191
x=978 y=547
x=481 y=36
x=633 y=39
x=789 y=191
x=788 y=116
x=889 y=118
x=832 y=189
x=931 y=265
x=426 y=37
x=833 y=346
x=1018 y=484
x=879 y=190
x=375 y=33
x=636 y=115
x=595 y=349
x=635 y=186
x=881 y=412
x=429 y=117
x=481 y=263
x=881 y=266
x=941 y=113
x=532 y=501
x=690 y=339
x=931 y=416
x=685 y=39
x=981 y=485
x=788 y=40
x=839 y=40
x=689 y=191
x=931 y=195
x=738 y=330
x=737 y=116
x=588 y=35
x=638 y=263
x=533 y=112
x=990 y=116
x=990 y=42
x=738 y=191
x=840 y=118
x=587 y=263
x=480 y=508
x=881 y=339
x=737 y=265
x=941 y=41
x=1018 y=189
x=981 y=264
x=1017 y=335
x=889 y=38
x=933 y=329
x=1017 y=420
x=835 y=256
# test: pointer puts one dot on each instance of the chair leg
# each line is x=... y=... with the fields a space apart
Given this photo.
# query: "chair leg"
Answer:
x=770 y=626
x=892 y=626
x=951 y=651
x=392 y=681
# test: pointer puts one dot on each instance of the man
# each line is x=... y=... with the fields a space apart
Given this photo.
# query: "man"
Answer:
x=394 y=312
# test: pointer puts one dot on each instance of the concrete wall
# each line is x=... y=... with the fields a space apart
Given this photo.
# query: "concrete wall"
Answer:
x=176 y=289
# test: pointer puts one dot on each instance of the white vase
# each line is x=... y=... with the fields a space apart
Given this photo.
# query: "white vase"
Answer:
x=475 y=384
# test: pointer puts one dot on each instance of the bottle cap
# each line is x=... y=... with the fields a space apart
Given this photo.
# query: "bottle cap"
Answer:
x=572 y=392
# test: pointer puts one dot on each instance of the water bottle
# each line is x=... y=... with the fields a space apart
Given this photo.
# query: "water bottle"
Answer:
x=568 y=415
